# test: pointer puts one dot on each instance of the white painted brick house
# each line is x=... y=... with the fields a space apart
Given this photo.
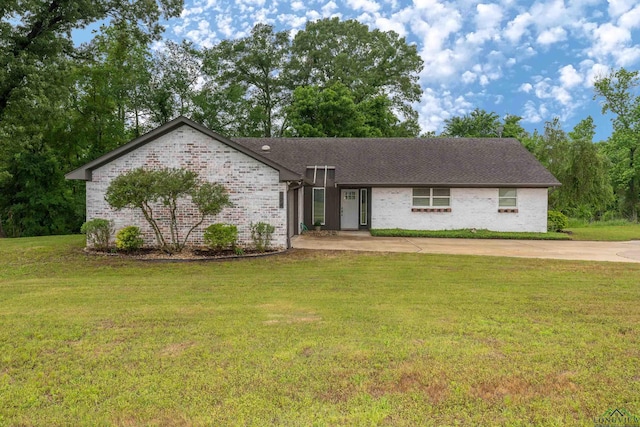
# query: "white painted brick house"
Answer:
x=341 y=183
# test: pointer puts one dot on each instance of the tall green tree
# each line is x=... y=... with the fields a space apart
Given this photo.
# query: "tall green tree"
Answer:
x=332 y=111
x=482 y=124
x=578 y=164
x=368 y=62
x=586 y=191
x=173 y=82
x=317 y=112
x=40 y=31
x=254 y=63
x=619 y=94
x=108 y=106
x=37 y=56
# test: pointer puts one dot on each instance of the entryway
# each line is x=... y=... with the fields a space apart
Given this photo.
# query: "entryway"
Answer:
x=349 y=203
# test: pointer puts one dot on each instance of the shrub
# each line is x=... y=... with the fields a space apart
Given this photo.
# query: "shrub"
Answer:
x=557 y=221
x=129 y=239
x=221 y=236
x=261 y=233
x=98 y=232
x=141 y=188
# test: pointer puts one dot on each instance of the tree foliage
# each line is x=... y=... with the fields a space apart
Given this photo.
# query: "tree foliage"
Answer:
x=47 y=101
x=368 y=62
x=40 y=31
x=377 y=70
x=578 y=164
x=619 y=91
x=482 y=124
x=255 y=64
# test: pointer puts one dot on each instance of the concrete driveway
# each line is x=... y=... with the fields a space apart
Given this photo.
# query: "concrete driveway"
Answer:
x=552 y=249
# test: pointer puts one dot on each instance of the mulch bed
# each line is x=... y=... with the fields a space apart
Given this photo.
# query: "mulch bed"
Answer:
x=187 y=254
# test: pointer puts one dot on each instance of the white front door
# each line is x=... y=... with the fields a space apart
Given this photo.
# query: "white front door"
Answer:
x=349 y=209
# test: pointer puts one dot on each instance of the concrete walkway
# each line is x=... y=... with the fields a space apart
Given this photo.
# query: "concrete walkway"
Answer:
x=552 y=249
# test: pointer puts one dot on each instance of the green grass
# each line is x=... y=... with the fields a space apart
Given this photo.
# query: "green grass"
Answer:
x=614 y=230
x=467 y=234
x=313 y=338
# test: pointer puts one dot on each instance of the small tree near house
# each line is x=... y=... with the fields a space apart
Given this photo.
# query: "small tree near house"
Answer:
x=146 y=189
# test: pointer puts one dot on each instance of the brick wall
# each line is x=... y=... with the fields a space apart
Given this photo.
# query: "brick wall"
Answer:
x=253 y=186
x=470 y=208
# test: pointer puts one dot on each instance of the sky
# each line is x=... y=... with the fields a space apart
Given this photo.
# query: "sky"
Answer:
x=534 y=59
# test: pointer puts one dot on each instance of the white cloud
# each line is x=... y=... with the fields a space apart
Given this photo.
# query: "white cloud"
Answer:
x=190 y=11
x=435 y=107
x=593 y=71
x=569 y=77
x=544 y=89
x=468 y=77
x=518 y=27
x=532 y=114
x=329 y=8
x=292 y=21
x=628 y=56
x=631 y=19
x=365 y=5
x=552 y=35
x=313 y=15
x=297 y=6
x=611 y=41
x=487 y=20
x=525 y=87
x=224 y=25
x=618 y=7
x=385 y=24
x=550 y=14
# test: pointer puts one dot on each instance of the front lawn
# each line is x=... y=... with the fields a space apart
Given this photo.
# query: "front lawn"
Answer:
x=313 y=338
x=610 y=231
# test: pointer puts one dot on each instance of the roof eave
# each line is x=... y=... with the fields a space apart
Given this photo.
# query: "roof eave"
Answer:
x=450 y=184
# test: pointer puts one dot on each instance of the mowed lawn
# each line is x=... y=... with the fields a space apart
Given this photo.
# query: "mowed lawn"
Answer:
x=313 y=338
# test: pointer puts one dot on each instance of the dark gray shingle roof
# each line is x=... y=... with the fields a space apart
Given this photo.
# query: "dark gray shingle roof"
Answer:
x=411 y=161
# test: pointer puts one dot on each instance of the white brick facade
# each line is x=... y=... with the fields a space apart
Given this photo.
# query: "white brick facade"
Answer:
x=470 y=208
x=254 y=187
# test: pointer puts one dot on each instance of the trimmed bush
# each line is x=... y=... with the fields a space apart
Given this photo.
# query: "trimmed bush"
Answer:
x=221 y=236
x=129 y=239
x=261 y=233
x=98 y=232
x=557 y=221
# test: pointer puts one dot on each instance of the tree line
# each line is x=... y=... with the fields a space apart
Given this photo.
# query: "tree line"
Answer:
x=600 y=180
x=62 y=105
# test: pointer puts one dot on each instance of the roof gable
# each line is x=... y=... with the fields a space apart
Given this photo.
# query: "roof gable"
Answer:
x=85 y=171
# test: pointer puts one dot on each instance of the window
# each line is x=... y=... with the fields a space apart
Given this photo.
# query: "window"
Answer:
x=431 y=197
x=363 y=206
x=318 y=206
x=507 y=197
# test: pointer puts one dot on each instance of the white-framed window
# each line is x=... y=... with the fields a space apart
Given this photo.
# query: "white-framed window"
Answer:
x=508 y=197
x=319 y=195
x=363 y=206
x=431 y=197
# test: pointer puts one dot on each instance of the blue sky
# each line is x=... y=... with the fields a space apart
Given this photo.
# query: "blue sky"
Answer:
x=535 y=59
